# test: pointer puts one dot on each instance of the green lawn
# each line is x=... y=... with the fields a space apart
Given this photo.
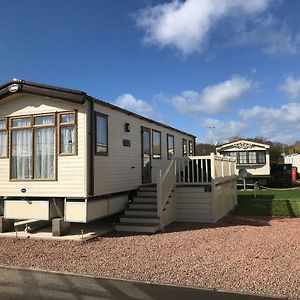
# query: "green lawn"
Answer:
x=269 y=203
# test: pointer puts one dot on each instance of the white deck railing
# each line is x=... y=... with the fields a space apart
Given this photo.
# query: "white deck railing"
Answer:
x=191 y=170
x=203 y=169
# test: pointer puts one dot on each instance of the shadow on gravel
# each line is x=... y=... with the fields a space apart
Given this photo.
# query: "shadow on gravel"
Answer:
x=227 y=221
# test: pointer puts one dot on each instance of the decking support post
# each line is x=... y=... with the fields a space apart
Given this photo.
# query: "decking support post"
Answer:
x=60 y=227
x=6 y=224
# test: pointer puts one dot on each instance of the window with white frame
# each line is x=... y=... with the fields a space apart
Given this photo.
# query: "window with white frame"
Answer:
x=242 y=157
x=252 y=157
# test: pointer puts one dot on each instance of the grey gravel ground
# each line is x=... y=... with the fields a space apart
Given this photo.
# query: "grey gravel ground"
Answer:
x=255 y=255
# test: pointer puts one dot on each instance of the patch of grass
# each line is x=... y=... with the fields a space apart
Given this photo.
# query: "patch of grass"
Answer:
x=269 y=203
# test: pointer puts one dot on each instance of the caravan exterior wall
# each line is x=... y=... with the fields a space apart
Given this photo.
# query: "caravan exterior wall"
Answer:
x=121 y=169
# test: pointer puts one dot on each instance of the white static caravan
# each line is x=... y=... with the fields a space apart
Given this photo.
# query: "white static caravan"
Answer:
x=65 y=155
x=249 y=155
x=293 y=159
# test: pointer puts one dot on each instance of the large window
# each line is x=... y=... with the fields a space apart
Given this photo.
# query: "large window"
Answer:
x=3 y=138
x=33 y=147
x=247 y=157
x=252 y=157
x=101 y=144
x=33 y=143
x=184 y=147
x=261 y=157
x=67 y=133
x=170 y=146
x=156 y=144
x=242 y=157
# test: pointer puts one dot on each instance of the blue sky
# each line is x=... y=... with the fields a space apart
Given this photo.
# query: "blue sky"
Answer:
x=195 y=64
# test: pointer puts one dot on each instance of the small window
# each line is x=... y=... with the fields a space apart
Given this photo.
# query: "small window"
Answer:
x=44 y=120
x=156 y=144
x=184 y=147
x=67 y=118
x=3 y=138
x=21 y=122
x=191 y=148
x=67 y=134
x=3 y=124
x=170 y=145
x=101 y=134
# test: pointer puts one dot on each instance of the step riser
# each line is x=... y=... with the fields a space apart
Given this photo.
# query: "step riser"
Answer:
x=127 y=228
x=138 y=220
x=140 y=213
x=147 y=189
x=142 y=206
x=146 y=194
x=145 y=200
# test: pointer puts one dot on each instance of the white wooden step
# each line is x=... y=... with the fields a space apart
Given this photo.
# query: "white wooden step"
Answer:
x=141 y=212
x=145 y=205
x=136 y=227
x=139 y=219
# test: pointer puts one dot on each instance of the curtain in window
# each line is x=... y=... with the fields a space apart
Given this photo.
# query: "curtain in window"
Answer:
x=67 y=118
x=67 y=139
x=44 y=151
x=3 y=143
x=21 y=154
x=252 y=157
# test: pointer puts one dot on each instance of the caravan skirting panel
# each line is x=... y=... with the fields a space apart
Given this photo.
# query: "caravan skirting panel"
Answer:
x=93 y=209
x=27 y=209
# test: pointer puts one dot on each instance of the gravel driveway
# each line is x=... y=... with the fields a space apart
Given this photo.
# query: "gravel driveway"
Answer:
x=256 y=255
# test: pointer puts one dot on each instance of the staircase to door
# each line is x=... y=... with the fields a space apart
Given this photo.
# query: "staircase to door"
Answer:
x=141 y=215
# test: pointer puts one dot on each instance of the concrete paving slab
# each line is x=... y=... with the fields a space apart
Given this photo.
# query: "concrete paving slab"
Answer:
x=79 y=232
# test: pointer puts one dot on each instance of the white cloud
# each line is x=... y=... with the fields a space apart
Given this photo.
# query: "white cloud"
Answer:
x=213 y=99
x=273 y=38
x=291 y=87
x=220 y=131
x=129 y=102
x=277 y=124
x=186 y=25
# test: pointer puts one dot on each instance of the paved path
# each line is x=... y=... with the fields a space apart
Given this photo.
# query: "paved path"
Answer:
x=22 y=284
